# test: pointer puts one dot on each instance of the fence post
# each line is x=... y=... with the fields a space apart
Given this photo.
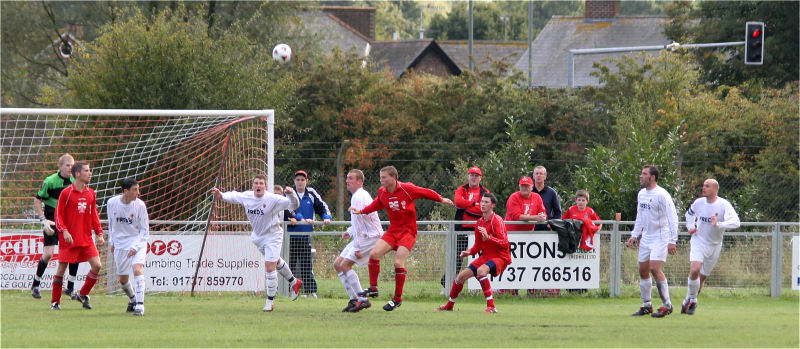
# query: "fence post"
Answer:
x=615 y=262
x=777 y=259
x=450 y=256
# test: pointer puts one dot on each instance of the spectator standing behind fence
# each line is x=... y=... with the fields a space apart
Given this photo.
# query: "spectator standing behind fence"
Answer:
x=525 y=205
x=656 y=229
x=300 y=258
x=468 y=208
x=706 y=221
x=552 y=203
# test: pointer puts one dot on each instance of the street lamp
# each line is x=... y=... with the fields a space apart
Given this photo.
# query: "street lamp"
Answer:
x=505 y=20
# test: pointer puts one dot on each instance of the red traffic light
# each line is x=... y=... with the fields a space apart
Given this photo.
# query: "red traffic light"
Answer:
x=756 y=33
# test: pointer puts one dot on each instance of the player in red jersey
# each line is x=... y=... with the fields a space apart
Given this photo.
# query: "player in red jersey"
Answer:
x=525 y=205
x=76 y=217
x=398 y=200
x=491 y=240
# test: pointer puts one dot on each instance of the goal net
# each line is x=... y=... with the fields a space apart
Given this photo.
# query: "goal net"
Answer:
x=176 y=156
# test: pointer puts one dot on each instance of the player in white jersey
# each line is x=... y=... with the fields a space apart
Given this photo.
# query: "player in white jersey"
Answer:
x=706 y=220
x=656 y=229
x=366 y=230
x=128 y=231
x=263 y=210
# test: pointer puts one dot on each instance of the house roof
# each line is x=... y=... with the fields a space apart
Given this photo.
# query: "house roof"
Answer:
x=508 y=51
x=400 y=56
x=563 y=33
x=331 y=32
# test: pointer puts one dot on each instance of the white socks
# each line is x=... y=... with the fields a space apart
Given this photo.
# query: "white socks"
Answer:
x=272 y=284
x=139 y=280
x=663 y=291
x=693 y=287
x=128 y=289
x=285 y=271
x=645 y=286
x=350 y=292
x=351 y=283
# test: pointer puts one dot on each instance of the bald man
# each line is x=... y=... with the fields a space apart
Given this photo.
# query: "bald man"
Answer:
x=706 y=220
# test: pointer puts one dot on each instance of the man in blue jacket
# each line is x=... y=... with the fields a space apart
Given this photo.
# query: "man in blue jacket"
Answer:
x=300 y=245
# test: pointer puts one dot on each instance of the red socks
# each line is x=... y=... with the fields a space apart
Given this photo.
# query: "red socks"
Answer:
x=91 y=279
x=399 y=282
x=374 y=269
x=58 y=281
x=487 y=291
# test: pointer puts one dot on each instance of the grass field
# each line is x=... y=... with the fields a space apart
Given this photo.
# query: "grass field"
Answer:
x=237 y=321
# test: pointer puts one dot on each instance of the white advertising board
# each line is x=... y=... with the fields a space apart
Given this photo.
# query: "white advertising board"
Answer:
x=537 y=264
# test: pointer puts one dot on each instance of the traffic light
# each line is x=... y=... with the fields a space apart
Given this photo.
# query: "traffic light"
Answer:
x=754 y=43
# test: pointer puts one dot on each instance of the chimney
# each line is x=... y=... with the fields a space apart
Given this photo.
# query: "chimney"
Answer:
x=602 y=9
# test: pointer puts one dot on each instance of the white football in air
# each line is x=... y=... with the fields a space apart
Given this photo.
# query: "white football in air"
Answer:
x=282 y=53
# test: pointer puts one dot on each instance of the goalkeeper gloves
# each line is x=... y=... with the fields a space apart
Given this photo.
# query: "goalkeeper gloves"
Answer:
x=47 y=226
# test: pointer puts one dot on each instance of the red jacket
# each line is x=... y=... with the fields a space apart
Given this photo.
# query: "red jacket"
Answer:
x=497 y=246
x=588 y=228
x=76 y=213
x=400 y=207
x=467 y=201
x=517 y=205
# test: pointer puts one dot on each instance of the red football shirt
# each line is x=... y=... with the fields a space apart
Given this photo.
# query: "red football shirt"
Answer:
x=466 y=198
x=497 y=246
x=400 y=207
x=518 y=205
x=575 y=213
x=77 y=213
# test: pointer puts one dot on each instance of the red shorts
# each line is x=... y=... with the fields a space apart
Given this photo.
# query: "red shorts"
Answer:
x=396 y=238
x=76 y=254
x=498 y=262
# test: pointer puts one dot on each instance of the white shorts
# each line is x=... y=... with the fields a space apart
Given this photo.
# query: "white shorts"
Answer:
x=653 y=251
x=125 y=263
x=270 y=248
x=708 y=254
x=349 y=252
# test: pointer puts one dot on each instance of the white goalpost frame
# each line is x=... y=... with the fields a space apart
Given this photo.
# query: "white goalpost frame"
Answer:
x=267 y=115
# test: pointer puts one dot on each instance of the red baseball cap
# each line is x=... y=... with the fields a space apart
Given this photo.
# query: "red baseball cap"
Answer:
x=475 y=170
x=525 y=180
x=301 y=172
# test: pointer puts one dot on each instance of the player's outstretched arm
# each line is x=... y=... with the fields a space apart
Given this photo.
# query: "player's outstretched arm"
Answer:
x=217 y=194
x=447 y=201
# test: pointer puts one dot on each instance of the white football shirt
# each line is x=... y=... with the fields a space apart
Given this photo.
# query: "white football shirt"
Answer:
x=699 y=216
x=128 y=224
x=656 y=218
x=364 y=228
x=262 y=212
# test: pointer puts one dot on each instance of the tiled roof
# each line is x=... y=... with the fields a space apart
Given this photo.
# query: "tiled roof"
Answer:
x=508 y=51
x=400 y=56
x=562 y=33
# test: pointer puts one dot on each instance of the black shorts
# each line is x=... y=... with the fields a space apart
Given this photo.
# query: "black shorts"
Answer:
x=51 y=240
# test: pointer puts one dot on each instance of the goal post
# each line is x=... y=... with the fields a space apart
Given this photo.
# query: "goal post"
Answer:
x=176 y=155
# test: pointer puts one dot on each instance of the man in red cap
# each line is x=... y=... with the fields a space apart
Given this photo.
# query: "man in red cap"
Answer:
x=468 y=208
x=525 y=205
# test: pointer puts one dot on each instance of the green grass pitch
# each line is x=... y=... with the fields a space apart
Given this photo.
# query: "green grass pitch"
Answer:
x=236 y=320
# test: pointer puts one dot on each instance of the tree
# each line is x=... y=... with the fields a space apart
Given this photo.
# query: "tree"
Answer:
x=724 y=21
x=166 y=62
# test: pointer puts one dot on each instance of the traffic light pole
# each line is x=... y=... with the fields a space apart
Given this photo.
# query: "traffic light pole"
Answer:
x=672 y=47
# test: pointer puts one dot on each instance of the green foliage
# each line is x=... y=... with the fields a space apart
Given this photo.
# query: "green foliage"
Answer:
x=166 y=62
x=724 y=21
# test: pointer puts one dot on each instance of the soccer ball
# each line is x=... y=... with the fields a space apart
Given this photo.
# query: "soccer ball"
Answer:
x=282 y=53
